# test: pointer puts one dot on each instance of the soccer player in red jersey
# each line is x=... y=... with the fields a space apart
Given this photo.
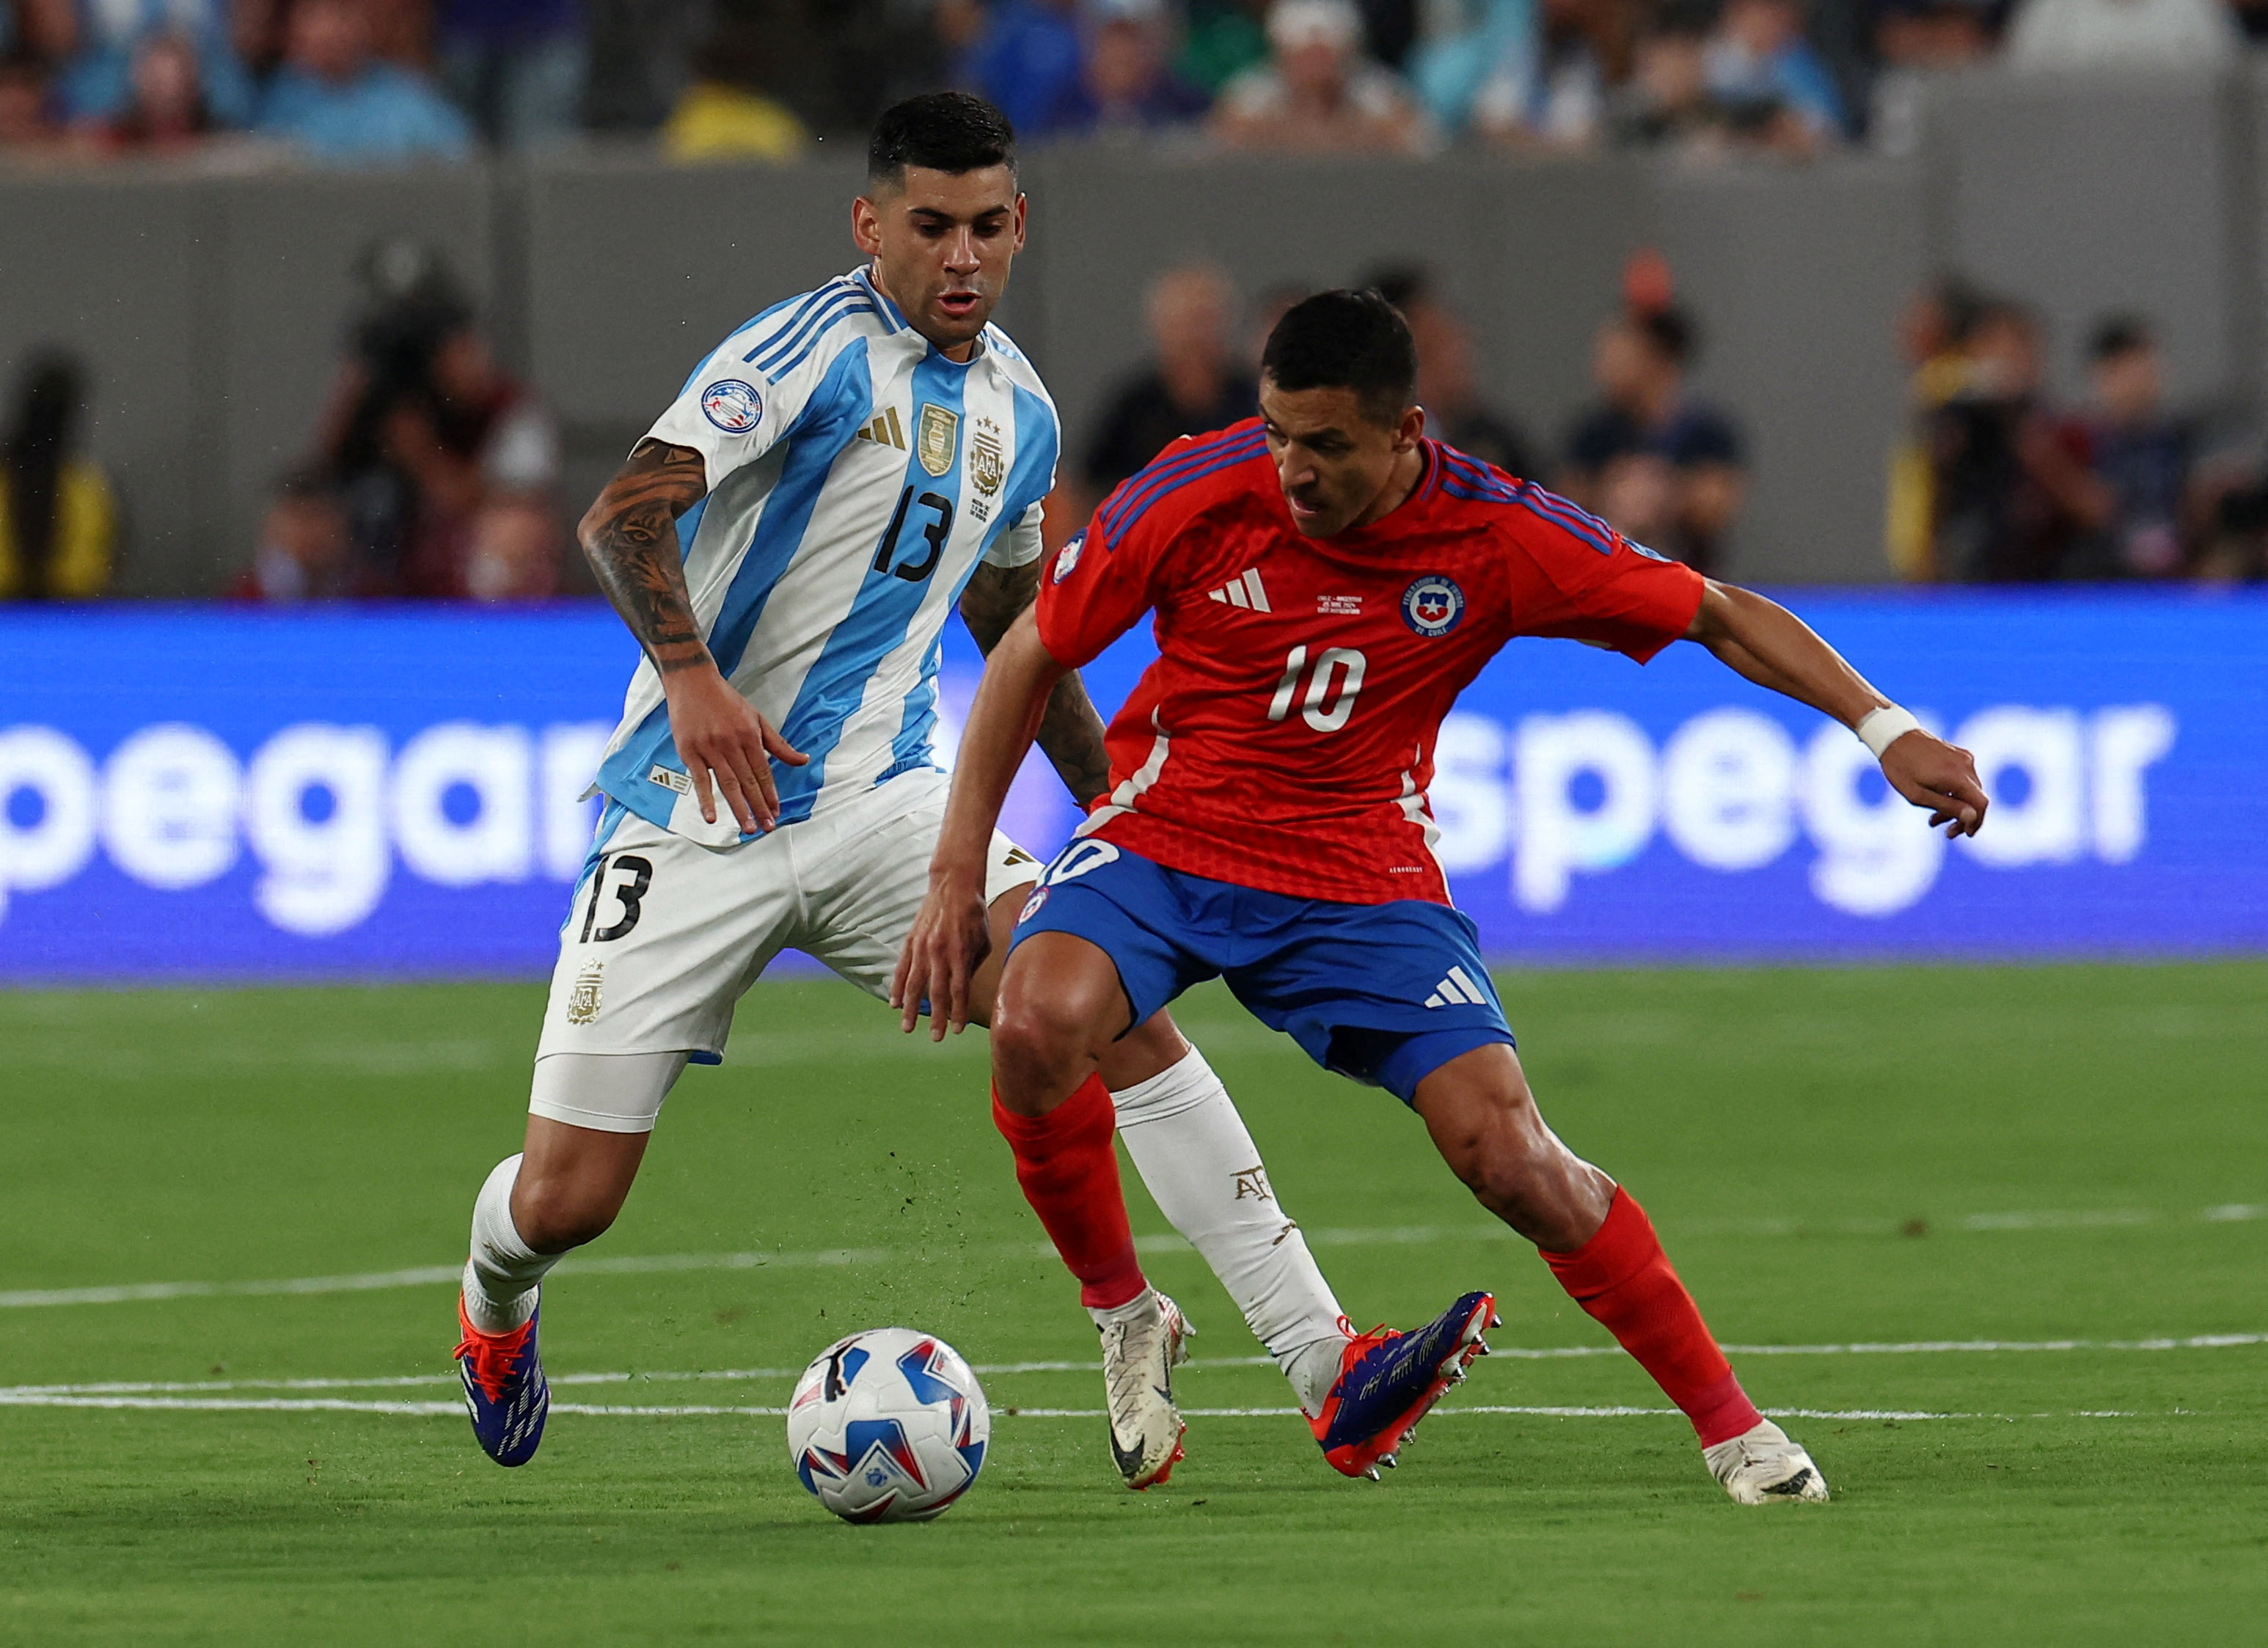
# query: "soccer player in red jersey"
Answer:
x=1325 y=580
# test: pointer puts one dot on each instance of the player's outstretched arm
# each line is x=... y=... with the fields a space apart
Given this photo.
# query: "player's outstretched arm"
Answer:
x=950 y=940
x=629 y=536
x=1774 y=648
x=1070 y=732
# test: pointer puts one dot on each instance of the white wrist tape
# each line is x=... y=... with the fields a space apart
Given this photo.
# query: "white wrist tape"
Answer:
x=1880 y=728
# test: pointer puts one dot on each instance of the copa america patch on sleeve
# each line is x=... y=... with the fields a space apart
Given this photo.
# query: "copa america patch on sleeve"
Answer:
x=1068 y=557
x=732 y=405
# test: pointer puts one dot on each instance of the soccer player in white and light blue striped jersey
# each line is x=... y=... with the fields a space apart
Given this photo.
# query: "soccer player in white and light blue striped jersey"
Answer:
x=786 y=544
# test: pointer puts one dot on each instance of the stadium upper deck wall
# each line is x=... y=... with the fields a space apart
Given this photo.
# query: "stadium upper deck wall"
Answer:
x=211 y=307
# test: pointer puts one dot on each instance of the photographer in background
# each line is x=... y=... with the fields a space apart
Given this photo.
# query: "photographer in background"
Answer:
x=58 y=525
x=425 y=430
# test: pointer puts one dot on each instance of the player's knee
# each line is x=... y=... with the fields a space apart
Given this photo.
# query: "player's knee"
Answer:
x=1043 y=1037
x=557 y=1212
x=1035 y=1037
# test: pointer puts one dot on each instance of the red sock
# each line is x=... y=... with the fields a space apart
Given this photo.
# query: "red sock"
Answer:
x=1070 y=1174
x=1624 y=1279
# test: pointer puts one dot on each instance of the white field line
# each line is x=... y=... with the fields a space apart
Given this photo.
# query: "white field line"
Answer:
x=631 y=1410
x=31 y=1394
x=658 y=1264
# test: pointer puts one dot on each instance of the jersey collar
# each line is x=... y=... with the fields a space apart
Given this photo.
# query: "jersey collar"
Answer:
x=1413 y=513
x=892 y=315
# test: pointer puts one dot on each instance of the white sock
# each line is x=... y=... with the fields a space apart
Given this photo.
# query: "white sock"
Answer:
x=1143 y=1304
x=1195 y=1155
x=501 y=1275
x=1313 y=1369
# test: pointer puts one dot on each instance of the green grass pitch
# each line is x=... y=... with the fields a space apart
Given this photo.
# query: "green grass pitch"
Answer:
x=1896 y=1156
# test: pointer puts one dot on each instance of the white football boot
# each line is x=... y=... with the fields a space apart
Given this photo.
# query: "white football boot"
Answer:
x=1138 y=1359
x=1761 y=1465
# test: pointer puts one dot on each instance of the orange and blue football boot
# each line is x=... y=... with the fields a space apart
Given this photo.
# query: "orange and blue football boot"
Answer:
x=1388 y=1381
x=504 y=1389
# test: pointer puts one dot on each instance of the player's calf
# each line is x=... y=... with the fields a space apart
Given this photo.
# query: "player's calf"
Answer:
x=1484 y=1122
x=565 y=1189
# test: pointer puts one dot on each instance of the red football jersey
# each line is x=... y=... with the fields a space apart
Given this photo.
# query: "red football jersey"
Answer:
x=1284 y=740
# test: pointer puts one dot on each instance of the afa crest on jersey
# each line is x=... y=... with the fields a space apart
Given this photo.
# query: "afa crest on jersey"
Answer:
x=583 y=1004
x=988 y=459
x=1432 y=605
x=732 y=405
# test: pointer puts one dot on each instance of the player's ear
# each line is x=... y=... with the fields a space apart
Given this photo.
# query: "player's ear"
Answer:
x=866 y=226
x=1411 y=430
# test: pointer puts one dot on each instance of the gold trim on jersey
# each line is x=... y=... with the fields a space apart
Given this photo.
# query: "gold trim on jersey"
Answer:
x=884 y=431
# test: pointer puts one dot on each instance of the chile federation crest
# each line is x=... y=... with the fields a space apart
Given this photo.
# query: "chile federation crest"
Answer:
x=1432 y=605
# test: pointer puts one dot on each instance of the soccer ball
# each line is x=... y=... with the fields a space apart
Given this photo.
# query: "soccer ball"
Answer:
x=888 y=1425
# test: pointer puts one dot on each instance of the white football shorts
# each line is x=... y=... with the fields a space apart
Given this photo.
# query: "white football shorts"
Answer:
x=664 y=935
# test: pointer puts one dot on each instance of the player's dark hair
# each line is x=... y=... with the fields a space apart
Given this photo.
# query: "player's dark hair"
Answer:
x=941 y=131
x=1671 y=332
x=1346 y=340
x=2120 y=335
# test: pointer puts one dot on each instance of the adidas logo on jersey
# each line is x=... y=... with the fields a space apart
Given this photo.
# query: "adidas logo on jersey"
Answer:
x=884 y=431
x=1457 y=990
x=1245 y=592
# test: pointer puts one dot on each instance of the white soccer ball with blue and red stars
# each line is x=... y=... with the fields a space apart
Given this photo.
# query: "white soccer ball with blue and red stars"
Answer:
x=888 y=1425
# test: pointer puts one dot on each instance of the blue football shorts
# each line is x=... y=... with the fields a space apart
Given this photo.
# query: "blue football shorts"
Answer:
x=1385 y=994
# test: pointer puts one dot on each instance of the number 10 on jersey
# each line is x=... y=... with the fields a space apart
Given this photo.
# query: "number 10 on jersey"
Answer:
x=1334 y=671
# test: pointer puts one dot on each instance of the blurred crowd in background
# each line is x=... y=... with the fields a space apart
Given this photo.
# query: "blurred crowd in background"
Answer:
x=434 y=475
x=1997 y=483
x=369 y=81
x=431 y=474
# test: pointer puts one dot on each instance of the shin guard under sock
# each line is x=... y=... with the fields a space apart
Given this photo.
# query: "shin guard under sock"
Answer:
x=1623 y=1280
x=1069 y=1173
x=1195 y=1155
x=501 y=1277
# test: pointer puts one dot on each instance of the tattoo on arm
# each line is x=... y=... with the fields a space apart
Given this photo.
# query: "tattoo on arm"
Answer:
x=629 y=536
x=1070 y=732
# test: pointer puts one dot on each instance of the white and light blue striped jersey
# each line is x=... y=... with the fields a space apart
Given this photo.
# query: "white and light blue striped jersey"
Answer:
x=855 y=478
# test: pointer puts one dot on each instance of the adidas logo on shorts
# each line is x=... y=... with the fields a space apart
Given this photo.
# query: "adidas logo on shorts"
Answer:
x=1457 y=990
